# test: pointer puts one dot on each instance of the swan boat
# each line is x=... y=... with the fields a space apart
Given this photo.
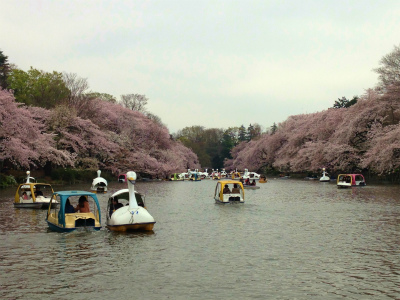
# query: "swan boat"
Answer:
x=63 y=220
x=99 y=184
x=233 y=196
x=325 y=177
x=250 y=175
x=31 y=194
x=350 y=180
x=131 y=217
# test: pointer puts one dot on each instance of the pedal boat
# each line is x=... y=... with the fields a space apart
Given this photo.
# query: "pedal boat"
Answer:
x=60 y=221
x=350 y=180
x=263 y=179
x=325 y=177
x=222 y=198
x=33 y=198
x=122 y=178
x=99 y=184
x=133 y=215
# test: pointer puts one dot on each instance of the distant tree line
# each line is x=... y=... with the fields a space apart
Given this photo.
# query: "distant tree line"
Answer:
x=213 y=146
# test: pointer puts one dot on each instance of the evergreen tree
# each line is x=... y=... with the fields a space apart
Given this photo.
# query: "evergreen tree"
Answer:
x=274 y=128
x=344 y=103
x=242 y=133
x=4 y=70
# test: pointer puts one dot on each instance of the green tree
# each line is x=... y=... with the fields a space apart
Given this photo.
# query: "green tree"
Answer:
x=103 y=96
x=4 y=70
x=242 y=134
x=193 y=138
x=253 y=132
x=229 y=140
x=37 y=87
x=274 y=128
x=344 y=103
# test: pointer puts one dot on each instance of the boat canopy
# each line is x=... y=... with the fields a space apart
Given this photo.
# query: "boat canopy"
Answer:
x=99 y=181
x=222 y=183
x=352 y=179
x=64 y=195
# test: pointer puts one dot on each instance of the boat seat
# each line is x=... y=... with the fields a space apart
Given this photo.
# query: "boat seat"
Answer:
x=90 y=222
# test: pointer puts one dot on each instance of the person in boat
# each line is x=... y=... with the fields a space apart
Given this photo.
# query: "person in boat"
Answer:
x=235 y=189
x=247 y=182
x=253 y=182
x=116 y=204
x=69 y=209
x=83 y=205
x=226 y=190
x=24 y=196
x=241 y=180
x=38 y=192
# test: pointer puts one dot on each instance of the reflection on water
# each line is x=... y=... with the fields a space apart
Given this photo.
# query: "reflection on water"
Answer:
x=292 y=239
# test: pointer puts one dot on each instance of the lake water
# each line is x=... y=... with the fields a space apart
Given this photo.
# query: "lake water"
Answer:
x=291 y=239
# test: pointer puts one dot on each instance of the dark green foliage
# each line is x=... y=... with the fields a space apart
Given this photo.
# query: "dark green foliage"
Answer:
x=274 y=128
x=38 y=88
x=6 y=181
x=344 y=103
x=4 y=70
x=72 y=176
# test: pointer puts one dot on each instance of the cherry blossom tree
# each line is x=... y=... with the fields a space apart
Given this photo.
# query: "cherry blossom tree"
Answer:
x=24 y=140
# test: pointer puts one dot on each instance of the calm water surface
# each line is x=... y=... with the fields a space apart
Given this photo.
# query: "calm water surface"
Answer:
x=292 y=239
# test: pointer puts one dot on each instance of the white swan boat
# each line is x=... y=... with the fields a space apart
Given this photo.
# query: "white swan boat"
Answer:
x=99 y=184
x=126 y=209
x=250 y=175
x=325 y=177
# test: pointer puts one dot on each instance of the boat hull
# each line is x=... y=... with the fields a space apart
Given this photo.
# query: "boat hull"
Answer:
x=251 y=187
x=57 y=228
x=228 y=202
x=132 y=227
x=126 y=219
x=28 y=205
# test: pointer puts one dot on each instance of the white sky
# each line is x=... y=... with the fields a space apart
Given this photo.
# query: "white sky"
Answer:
x=213 y=63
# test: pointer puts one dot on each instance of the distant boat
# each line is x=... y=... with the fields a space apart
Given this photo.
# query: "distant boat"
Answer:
x=235 y=194
x=325 y=177
x=122 y=178
x=263 y=179
x=31 y=194
x=176 y=177
x=250 y=175
x=350 y=180
x=99 y=184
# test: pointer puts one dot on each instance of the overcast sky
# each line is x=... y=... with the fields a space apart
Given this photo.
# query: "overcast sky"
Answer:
x=214 y=63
